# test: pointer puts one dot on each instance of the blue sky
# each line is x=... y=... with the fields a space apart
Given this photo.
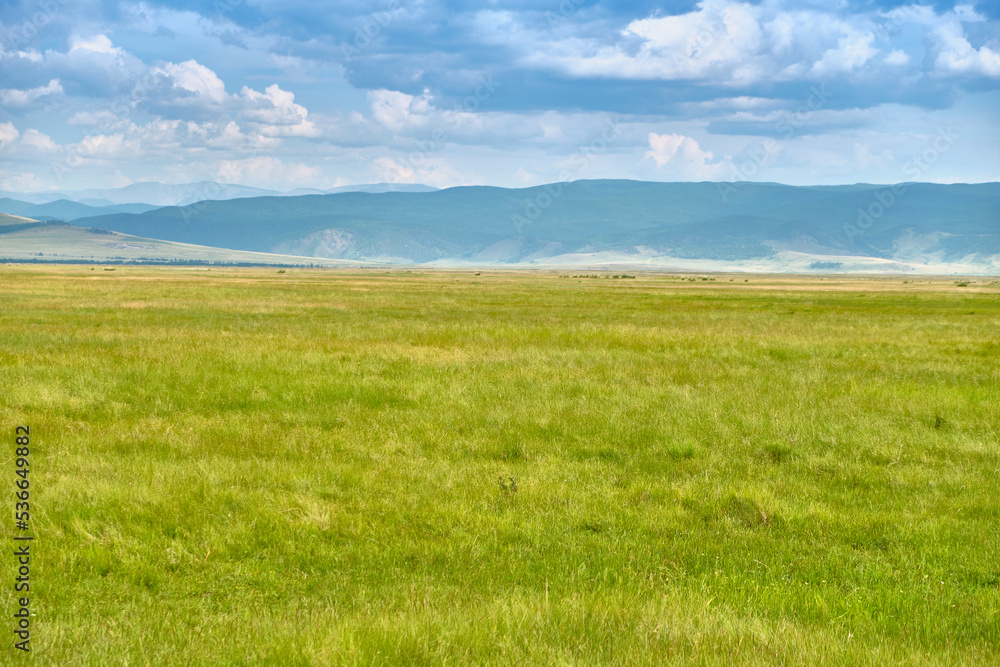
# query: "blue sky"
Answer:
x=285 y=94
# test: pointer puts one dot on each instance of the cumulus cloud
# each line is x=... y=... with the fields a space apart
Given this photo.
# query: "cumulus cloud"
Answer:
x=8 y=134
x=958 y=56
x=191 y=91
x=665 y=147
x=97 y=44
x=90 y=67
x=717 y=40
x=897 y=57
x=953 y=53
x=730 y=68
x=408 y=121
x=684 y=158
x=107 y=146
x=852 y=52
x=726 y=43
x=19 y=99
x=275 y=114
x=715 y=48
x=34 y=139
x=395 y=110
x=187 y=85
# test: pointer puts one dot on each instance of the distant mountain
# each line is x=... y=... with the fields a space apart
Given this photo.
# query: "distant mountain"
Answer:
x=152 y=194
x=46 y=196
x=369 y=187
x=66 y=210
x=187 y=193
x=159 y=194
x=13 y=206
x=383 y=187
x=911 y=227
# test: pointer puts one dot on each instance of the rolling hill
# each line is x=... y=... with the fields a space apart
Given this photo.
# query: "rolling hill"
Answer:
x=954 y=228
x=26 y=240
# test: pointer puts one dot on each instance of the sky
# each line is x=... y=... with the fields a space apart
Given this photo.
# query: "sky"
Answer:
x=283 y=94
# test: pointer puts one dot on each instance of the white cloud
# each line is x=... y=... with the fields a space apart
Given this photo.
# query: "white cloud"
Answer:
x=852 y=52
x=396 y=110
x=16 y=99
x=31 y=55
x=39 y=140
x=92 y=67
x=198 y=85
x=954 y=53
x=957 y=56
x=191 y=91
x=8 y=134
x=717 y=37
x=107 y=146
x=726 y=42
x=97 y=44
x=738 y=43
x=684 y=158
x=275 y=113
x=105 y=118
x=897 y=57
x=665 y=147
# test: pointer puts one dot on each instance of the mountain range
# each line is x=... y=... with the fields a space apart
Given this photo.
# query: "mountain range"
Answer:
x=155 y=194
x=911 y=227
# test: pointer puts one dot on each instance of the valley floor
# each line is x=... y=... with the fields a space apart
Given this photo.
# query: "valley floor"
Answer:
x=251 y=466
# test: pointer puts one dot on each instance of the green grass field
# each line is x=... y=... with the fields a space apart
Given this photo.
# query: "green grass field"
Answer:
x=237 y=467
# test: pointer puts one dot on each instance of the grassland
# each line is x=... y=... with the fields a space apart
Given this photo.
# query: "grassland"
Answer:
x=250 y=467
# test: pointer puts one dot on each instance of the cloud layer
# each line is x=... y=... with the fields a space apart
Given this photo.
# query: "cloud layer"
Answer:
x=443 y=92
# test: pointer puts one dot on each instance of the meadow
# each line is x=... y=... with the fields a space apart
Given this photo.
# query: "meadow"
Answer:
x=251 y=466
